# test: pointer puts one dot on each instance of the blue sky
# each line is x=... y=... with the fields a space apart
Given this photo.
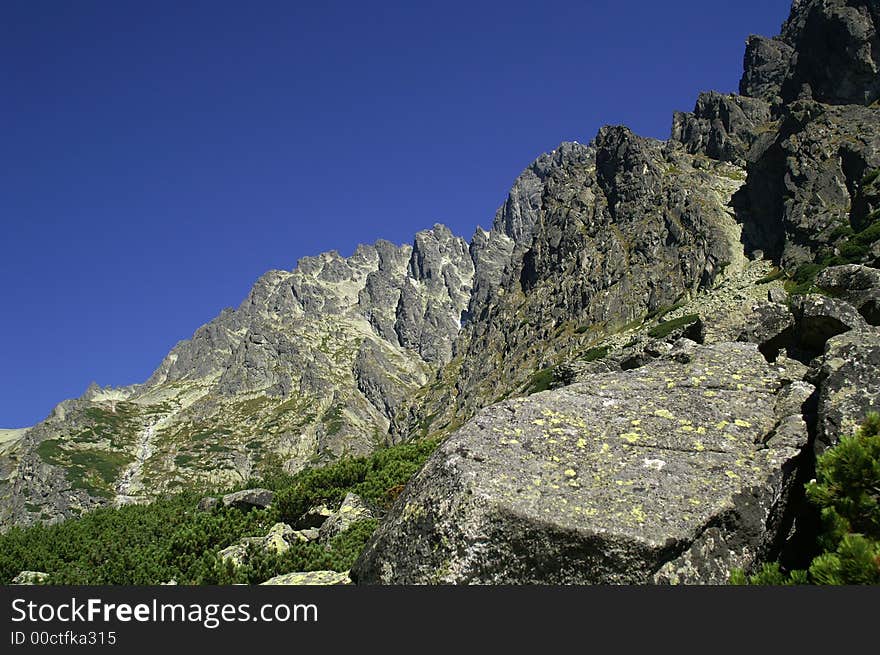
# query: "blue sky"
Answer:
x=157 y=157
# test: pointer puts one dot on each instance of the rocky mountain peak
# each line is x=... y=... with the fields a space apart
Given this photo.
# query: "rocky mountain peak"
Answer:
x=828 y=51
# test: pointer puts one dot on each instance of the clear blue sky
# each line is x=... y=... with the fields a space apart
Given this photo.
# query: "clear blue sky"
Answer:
x=157 y=157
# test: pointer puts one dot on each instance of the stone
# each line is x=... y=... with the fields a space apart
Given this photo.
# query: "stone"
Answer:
x=777 y=295
x=766 y=64
x=352 y=510
x=849 y=384
x=31 y=578
x=236 y=553
x=819 y=318
x=668 y=473
x=305 y=536
x=279 y=538
x=771 y=327
x=314 y=517
x=248 y=499
x=858 y=285
x=310 y=578
x=723 y=127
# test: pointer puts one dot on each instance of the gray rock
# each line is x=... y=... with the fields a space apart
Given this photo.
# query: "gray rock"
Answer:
x=837 y=60
x=236 y=553
x=771 y=327
x=310 y=578
x=849 y=384
x=827 y=51
x=856 y=284
x=765 y=66
x=352 y=510
x=819 y=318
x=804 y=181
x=31 y=578
x=249 y=499
x=667 y=473
x=723 y=127
x=777 y=295
x=305 y=536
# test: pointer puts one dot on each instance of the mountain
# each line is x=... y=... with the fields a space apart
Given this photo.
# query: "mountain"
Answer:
x=633 y=368
x=312 y=366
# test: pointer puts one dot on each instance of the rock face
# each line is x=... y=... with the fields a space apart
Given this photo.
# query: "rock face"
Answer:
x=667 y=473
x=626 y=226
x=858 y=285
x=722 y=127
x=828 y=51
x=849 y=380
x=804 y=196
x=310 y=367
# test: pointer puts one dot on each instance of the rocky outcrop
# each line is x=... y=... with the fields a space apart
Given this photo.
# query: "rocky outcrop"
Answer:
x=667 y=473
x=858 y=285
x=277 y=541
x=829 y=51
x=248 y=499
x=819 y=319
x=849 y=384
x=626 y=226
x=310 y=578
x=723 y=127
x=804 y=196
x=311 y=366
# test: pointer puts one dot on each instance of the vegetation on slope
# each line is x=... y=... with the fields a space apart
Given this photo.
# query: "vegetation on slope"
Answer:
x=847 y=493
x=171 y=539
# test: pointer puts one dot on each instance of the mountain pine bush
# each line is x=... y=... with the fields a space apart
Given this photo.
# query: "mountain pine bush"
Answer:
x=170 y=539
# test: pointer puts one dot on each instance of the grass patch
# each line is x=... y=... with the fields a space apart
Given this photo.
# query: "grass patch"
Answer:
x=662 y=330
x=332 y=420
x=540 y=381
x=775 y=274
x=595 y=354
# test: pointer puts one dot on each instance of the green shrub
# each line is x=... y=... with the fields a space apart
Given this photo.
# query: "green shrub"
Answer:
x=772 y=276
x=171 y=539
x=595 y=354
x=540 y=381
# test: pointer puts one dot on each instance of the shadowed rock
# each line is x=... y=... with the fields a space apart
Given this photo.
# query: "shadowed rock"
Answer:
x=249 y=499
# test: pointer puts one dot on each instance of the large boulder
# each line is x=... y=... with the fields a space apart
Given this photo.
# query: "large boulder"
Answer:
x=820 y=318
x=849 y=384
x=858 y=285
x=248 y=499
x=673 y=472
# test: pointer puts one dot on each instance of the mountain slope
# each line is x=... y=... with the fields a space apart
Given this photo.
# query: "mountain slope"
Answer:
x=593 y=242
